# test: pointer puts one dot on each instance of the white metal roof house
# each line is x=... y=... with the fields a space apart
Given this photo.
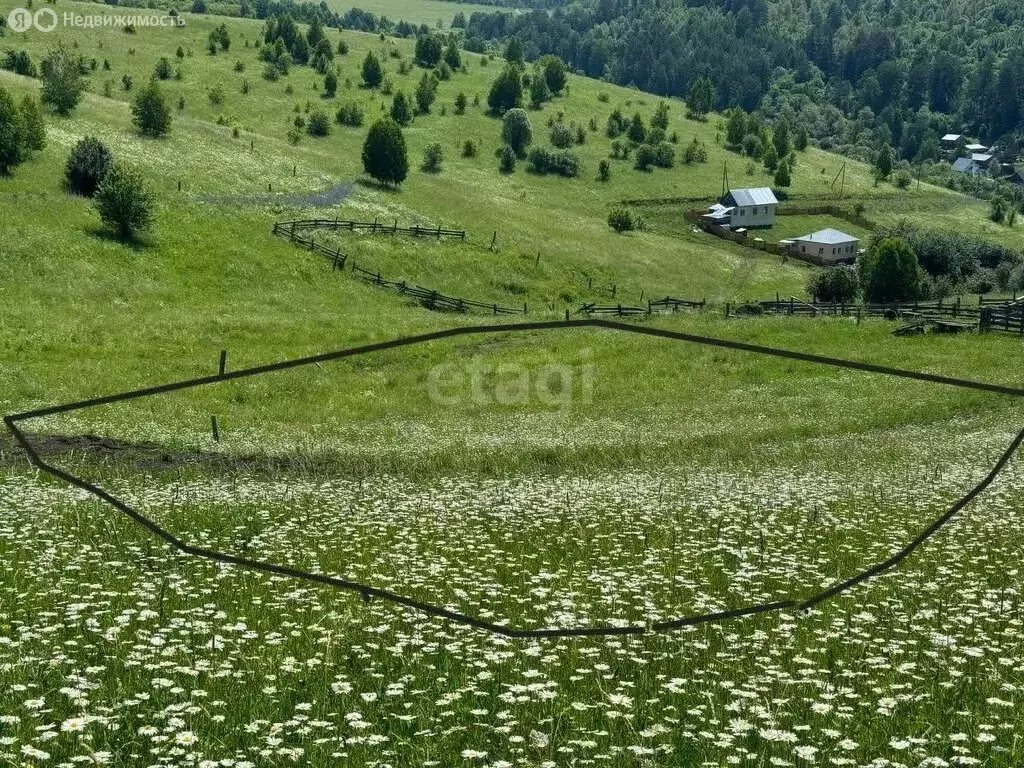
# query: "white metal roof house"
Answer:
x=826 y=246
x=950 y=139
x=749 y=208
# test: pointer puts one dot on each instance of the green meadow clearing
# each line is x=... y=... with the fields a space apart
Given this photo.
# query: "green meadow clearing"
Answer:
x=556 y=478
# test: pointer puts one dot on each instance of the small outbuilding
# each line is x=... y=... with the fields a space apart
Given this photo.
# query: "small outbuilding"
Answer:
x=827 y=247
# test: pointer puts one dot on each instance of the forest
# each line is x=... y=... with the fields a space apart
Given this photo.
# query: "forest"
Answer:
x=857 y=74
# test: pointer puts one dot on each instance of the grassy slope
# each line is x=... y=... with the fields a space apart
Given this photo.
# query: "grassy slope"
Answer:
x=213 y=277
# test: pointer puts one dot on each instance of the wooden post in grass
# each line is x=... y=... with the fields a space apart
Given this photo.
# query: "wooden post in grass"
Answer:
x=223 y=362
x=215 y=426
x=537 y=262
x=179 y=185
x=727 y=309
x=494 y=239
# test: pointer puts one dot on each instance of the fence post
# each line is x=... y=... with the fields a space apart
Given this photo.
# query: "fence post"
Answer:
x=216 y=429
x=494 y=239
x=727 y=309
x=223 y=362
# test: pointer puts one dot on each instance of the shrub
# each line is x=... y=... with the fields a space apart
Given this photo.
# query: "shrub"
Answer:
x=12 y=137
x=216 y=95
x=401 y=111
x=903 y=179
x=562 y=136
x=507 y=91
x=561 y=162
x=507 y=159
x=664 y=155
x=426 y=92
x=124 y=201
x=460 y=103
x=998 y=209
x=616 y=124
x=163 y=70
x=20 y=63
x=554 y=72
x=637 y=132
x=889 y=271
x=433 y=156
x=428 y=50
x=695 y=152
x=385 y=156
x=838 y=284
x=372 y=71
x=87 y=165
x=62 y=81
x=319 y=124
x=645 y=157
x=516 y=130
x=469 y=148
x=539 y=92
x=621 y=220
x=33 y=127
x=604 y=170
x=783 y=178
x=330 y=84
x=150 y=113
x=350 y=114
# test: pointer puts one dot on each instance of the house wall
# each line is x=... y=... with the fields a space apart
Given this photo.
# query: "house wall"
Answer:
x=827 y=254
x=753 y=216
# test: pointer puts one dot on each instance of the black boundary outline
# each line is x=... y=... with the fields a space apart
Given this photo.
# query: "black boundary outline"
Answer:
x=368 y=591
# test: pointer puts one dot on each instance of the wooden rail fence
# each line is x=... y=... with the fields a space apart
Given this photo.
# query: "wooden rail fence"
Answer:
x=374 y=227
x=431 y=299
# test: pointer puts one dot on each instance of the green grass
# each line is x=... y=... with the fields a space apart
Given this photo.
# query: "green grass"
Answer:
x=554 y=478
x=432 y=12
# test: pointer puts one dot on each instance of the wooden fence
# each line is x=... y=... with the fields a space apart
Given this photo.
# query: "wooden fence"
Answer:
x=668 y=304
x=333 y=254
x=373 y=227
x=432 y=299
x=1009 y=318
x=427 y=297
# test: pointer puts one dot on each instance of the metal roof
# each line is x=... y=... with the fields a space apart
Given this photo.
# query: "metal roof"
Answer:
x=756 y=196
x=952 y=137
x=965 y=165
x=981 y=157
x=828 y=237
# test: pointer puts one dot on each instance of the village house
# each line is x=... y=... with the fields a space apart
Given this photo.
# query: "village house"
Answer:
x=950 y=140
x=744 y=209
x=975 y=165
x=826 y=246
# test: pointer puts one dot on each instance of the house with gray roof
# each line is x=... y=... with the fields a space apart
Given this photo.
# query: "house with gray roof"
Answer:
x=975 y=165
x=749 y=208
x=827 y=247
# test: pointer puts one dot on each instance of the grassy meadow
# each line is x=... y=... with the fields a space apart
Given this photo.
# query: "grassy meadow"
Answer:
x=557 y=478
